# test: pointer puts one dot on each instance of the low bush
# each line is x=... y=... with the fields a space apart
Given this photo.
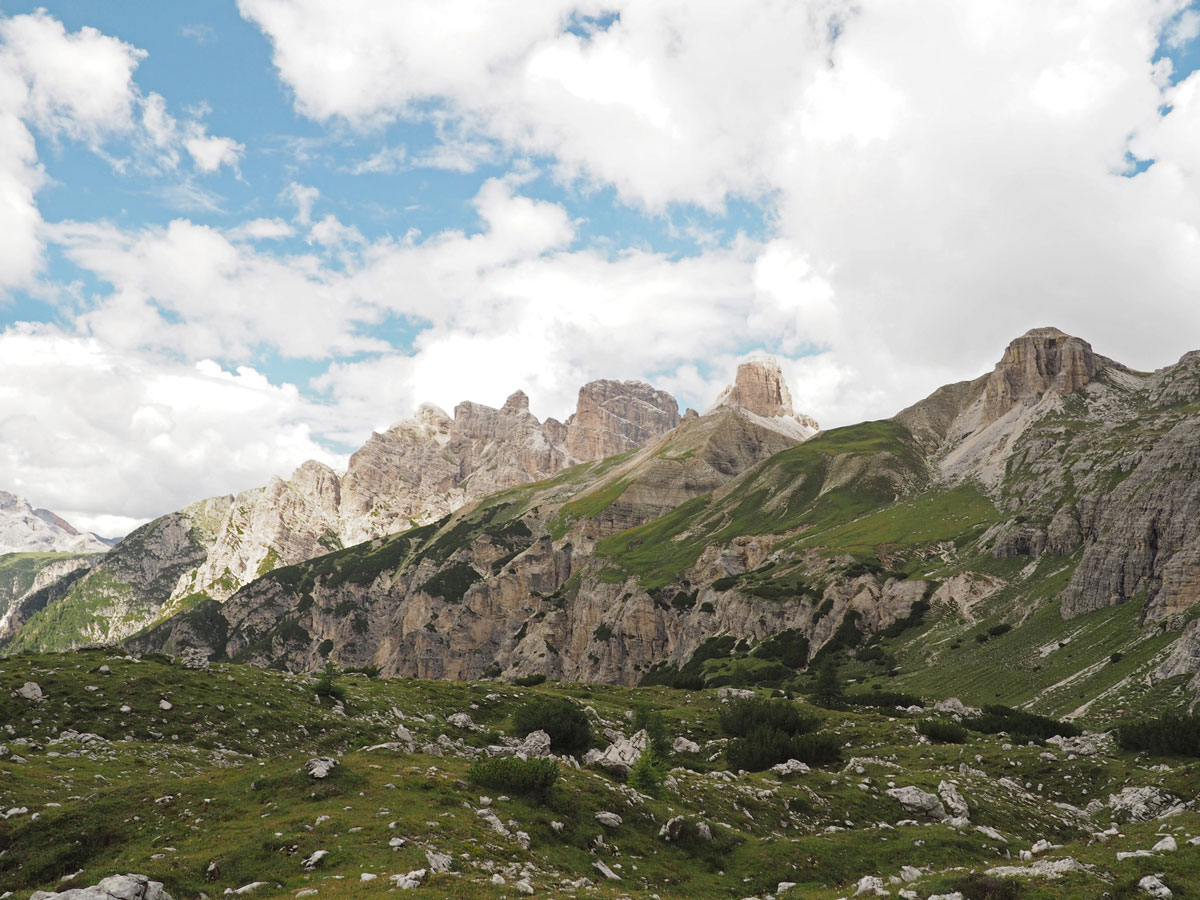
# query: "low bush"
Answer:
x=764 y=746
x=532 y=777
x=530 y=680
x=1169 y=734
x=942 y=731
x=884 y=699
x=648 y=773
x=741 y=717
x=1021 y=725
x=568 y=726
x=988 y=887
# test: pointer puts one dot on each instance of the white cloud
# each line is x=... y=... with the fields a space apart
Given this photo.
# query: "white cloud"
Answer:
x=86 y=428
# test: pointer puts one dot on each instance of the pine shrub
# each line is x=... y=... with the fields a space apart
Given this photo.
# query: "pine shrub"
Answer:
x=568 y=727
x=532 y=777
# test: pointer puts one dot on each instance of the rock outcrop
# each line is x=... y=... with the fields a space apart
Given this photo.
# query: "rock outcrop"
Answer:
x=1041 y=360
x=612 y=417
x=760 y=390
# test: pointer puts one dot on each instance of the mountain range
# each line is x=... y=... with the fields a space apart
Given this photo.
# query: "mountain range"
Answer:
x=1023 y=529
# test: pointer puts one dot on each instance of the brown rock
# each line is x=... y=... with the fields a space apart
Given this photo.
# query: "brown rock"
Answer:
x=614 y=416
x=1044 y=359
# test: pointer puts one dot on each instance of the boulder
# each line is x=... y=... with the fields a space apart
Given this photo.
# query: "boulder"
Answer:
x=917 y=801
x=1153 y=885
x=320 y=767
x=619 y=757
x=31 y=691
x=115 y=887
x=608 y=819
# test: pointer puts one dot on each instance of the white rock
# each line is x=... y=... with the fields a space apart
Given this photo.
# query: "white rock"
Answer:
x=320 y=767
x=606 y=871
x=115 y=887
x=1043 y=868
x=31 y=691
x=915 y=800
x=498 y=879
x=953 y=800
x=729 y=693
x=1141 y=804
x=315 y=859
x=1153 y=886
x=791 y=767
x=524 y=886
x=1166 y=845
x=164 y=705
x=991 y=832
x=246 y=888
x=619 y=757
x=869 y=884
x=367 y=876
x=535 y=745
x=461 y=720
x=410 y=881
x=438 y=862
x=785 y=886
x=608 y=819
x=683 y=745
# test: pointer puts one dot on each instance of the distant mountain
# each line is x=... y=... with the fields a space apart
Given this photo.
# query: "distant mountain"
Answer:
x=415 y=472
x=24 y=529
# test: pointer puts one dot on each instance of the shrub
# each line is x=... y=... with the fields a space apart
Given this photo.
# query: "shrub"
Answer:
x=884 y=699
x=942 y=731
x=828 y=691
x=534 y=777
x=1169 y=734
x=1116 y=658
x=603 y=632
x=764 y=746
x=1027 y=726
x=741 y=717
x=530 y=680
x=988 y=887
x=655 y=726
x=997 y=630
x=789 y=647
x=568 y=727
x=648 y=773
x=327 y=687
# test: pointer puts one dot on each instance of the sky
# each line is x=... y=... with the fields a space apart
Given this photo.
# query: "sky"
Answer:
x=238 y=235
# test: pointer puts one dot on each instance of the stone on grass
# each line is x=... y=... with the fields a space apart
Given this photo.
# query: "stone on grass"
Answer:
x=31 y=691
x=608 y=819
x=316 y=859
x=115 y=887
x=408 y=882
x=438 y=862
x=915 y=800
x=1153 y=885
x=320 y=766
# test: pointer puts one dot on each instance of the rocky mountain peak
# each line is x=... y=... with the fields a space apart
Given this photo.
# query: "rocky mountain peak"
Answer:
x=1041 y=360
x=614 y=416
x=517 y=402
x=25 y=529
x=761 y=390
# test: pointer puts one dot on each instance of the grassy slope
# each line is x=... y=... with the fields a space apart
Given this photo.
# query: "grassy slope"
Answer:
x=217 y=779
x=786 y=493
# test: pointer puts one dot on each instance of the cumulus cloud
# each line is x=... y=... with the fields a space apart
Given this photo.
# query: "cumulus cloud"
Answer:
x=77 y=86
x=107 y=438
x=943 y=176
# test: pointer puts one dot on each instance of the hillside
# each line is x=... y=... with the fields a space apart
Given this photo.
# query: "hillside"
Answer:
x=133 y=765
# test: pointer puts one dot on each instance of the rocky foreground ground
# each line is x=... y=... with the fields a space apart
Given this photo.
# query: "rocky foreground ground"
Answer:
x=237 y=780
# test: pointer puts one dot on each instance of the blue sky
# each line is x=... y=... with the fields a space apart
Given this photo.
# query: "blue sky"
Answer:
x=247 y=233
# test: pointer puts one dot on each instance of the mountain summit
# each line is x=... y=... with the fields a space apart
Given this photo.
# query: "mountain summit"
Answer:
x=760 y=389
x=24 y=529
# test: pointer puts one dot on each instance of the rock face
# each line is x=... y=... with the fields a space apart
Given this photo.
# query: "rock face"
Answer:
x=419 y=470
x=1041 y=360
x=614 y=416
x=760 y=389
x=24 y=529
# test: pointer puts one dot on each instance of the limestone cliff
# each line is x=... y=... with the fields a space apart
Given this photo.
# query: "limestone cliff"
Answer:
x=24 y=529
